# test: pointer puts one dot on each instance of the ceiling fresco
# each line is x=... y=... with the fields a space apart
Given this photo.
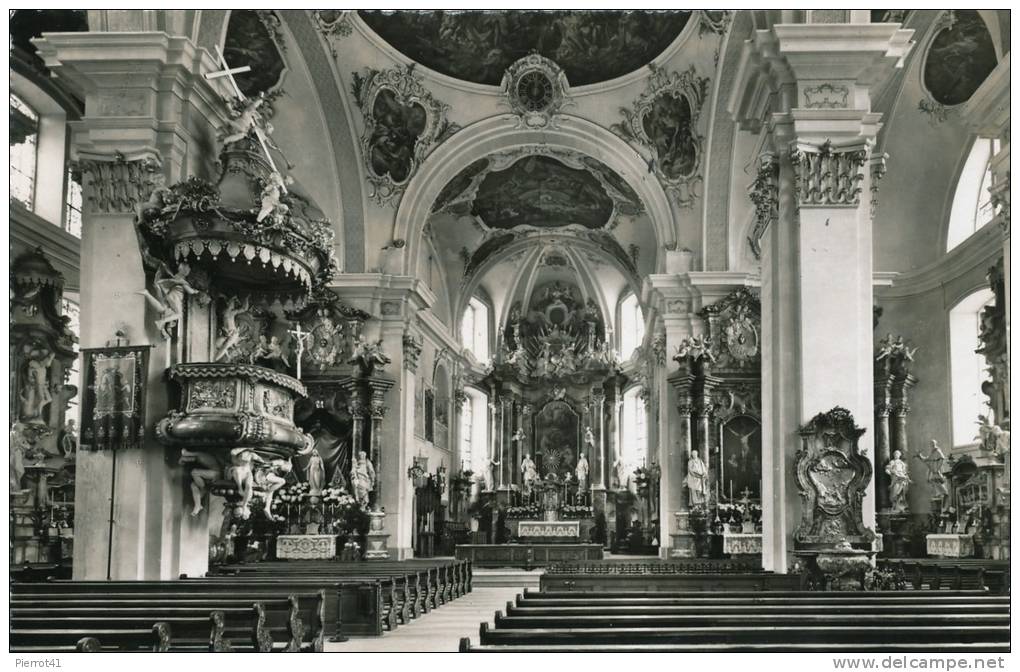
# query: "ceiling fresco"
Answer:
x=252 y=40
x=960 y=58
x=590 y=46
x=541 y=191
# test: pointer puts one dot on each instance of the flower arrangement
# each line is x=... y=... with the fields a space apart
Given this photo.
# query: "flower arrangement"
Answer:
x=574 y=512
x=525 y=511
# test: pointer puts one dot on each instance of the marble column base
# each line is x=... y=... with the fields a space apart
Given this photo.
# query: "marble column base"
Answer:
x=377 y=538
x=682 y=545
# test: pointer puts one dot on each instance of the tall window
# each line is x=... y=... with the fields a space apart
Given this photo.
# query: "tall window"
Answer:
x=474 y=329
x=634 y=428
x=474 y=430
x=24 y=140
x=467 y=423
x=632 y=325
x=972 y=206
x=967 y=368
x=72 y=205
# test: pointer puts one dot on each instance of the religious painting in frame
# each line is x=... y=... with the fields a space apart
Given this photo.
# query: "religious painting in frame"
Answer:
x=113 y=397
x=557 y=435
x=740 y=458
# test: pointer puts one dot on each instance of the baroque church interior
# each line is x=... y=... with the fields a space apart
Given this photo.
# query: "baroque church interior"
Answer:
x=326 y=320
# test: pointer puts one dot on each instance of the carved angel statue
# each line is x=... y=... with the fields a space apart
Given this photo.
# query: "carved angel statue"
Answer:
x=270 y=351
x=368 y=355
x=589 y=437
x=271 y=477
x=230 y=334
x=271 y=197
x=202 y=469
x=694 y=348
x=170 y=289
x=243 y=120
x=241 y=473
x=518 y=435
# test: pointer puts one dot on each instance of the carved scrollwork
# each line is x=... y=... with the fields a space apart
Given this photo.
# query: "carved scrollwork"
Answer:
x=832 y=476
x=734 y=325
x=828 y=175
x=826 y=95
x=403 y=122
x=665 y=121
x=764 y=193
x=535 y=89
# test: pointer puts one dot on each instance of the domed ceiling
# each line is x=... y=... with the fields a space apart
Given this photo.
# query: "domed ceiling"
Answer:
x=476 y=46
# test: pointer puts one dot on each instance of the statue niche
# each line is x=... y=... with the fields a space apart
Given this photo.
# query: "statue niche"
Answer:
x=832 y=475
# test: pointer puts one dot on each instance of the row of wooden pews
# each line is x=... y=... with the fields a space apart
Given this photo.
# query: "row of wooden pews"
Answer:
x=963 y=621
x=403 y=590
x=262 y=607
x=162 y=616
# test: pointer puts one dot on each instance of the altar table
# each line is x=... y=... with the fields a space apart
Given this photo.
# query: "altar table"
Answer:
x=550 y=529
x=950 y=545
x=306 y=546
x=739 y=543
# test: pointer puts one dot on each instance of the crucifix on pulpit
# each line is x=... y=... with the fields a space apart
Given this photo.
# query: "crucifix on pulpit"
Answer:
x=300 y=337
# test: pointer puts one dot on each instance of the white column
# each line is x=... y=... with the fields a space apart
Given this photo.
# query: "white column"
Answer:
x=807 y=87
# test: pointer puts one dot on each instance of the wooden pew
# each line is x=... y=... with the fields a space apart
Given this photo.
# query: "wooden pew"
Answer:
x=155 y=638
x=907 y=646
x=302 y=613
x=965 y=621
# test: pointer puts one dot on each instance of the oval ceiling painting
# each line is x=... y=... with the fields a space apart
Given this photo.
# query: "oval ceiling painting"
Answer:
x=960 y=58
x=477 y=46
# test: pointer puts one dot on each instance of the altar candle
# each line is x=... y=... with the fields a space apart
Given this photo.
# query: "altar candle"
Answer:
x=731 y=490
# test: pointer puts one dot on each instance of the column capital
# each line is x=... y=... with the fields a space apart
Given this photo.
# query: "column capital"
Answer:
x=826 y=69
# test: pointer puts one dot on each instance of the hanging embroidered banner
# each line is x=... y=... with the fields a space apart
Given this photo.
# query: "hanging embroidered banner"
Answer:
x=113 y=399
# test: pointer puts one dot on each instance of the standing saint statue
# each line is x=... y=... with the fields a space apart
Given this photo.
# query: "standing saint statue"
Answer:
x=35 y=392
x=936 y=479
x=697 y=479
x=19 y=447
x=69 y=439
x=490 y=479
x=582 y=471
x=622 y=473
x=899 y=482
x=362 y=478
x=315 y=470
x=530 y=473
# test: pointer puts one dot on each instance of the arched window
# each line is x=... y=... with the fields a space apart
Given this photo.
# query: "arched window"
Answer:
x=72 y=204
x=967 y=368
x=634 y=431
x=474 y=329
x=474 y=430
x=24 y=143
x=972 y=207
x=632 y=325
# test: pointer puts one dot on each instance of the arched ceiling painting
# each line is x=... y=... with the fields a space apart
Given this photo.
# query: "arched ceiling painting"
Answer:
x=540 y=191
x=477 y=46
x=960 y=57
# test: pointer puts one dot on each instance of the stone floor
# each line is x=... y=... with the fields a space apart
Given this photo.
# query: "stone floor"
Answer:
x=438 y=630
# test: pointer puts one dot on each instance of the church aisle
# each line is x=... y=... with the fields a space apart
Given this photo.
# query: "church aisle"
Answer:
x=439 y=630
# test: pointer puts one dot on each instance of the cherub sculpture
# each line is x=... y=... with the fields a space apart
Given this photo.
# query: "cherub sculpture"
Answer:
x=368 y=355
x=272 y=194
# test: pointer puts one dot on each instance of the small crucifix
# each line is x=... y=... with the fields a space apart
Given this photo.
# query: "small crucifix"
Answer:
x=229 y=73
x=746 y=492
x=300 y=336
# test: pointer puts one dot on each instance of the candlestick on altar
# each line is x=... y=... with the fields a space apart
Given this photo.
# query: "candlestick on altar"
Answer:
x=731 y=490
